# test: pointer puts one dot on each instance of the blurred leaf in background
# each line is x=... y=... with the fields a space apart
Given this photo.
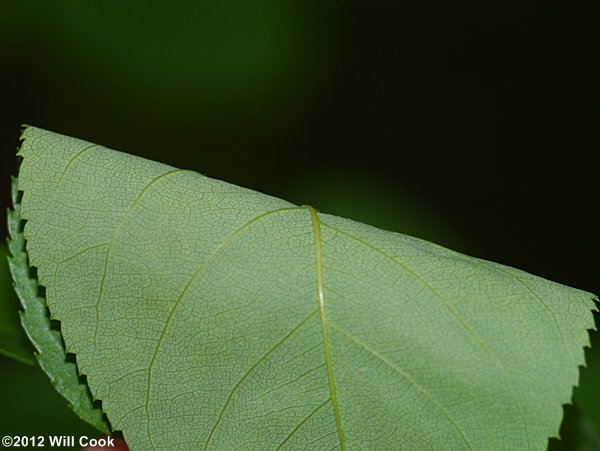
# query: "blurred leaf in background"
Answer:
x=164 y=62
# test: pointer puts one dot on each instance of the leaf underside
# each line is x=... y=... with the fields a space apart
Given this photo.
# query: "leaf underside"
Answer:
x=210 y=316
x=50 y=355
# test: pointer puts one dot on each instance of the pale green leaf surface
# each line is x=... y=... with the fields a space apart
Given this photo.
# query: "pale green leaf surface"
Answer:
x=209 y=316
x=50 y=353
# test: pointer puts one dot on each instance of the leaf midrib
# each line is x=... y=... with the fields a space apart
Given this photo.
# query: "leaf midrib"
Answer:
x=316 y=226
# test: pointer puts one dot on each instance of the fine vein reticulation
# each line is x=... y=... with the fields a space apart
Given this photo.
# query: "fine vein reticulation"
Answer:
x=190 y=306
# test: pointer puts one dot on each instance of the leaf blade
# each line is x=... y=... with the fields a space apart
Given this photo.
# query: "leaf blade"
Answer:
x=50 y=354
x=207 y=293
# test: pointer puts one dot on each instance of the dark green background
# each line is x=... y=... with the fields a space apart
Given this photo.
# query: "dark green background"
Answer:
x=471 y=124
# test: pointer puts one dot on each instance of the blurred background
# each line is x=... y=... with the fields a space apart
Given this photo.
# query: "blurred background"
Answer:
x=468 y=124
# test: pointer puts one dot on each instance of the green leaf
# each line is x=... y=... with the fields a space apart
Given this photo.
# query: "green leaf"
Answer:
x=48 y=343
x=209 y=316
x=13 y=341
